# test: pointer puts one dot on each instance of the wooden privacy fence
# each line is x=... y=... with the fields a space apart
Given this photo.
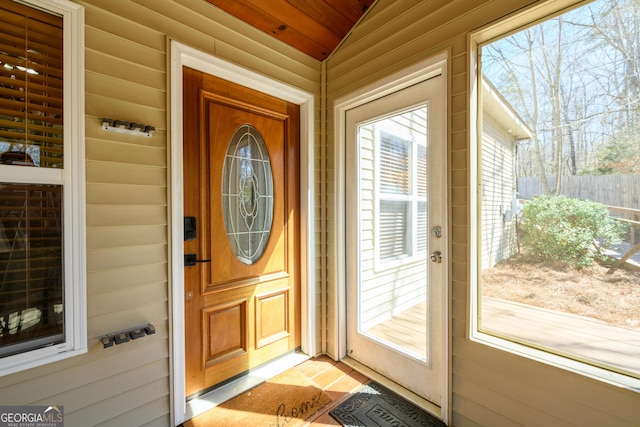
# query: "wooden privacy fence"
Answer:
x=619 y=193
x=610 y=190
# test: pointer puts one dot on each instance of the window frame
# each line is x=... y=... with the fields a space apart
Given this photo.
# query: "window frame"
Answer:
x=511 y=24
x=72 y=179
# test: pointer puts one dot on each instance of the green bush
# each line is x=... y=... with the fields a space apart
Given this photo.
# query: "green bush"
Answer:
x=558 y=228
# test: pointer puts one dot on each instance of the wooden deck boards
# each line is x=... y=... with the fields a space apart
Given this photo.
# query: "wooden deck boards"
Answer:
x=582 y=336
x=572 y=334
x=407 y=330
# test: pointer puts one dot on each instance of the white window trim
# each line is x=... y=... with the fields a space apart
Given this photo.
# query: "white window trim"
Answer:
x=476 y=40
x=72 y=177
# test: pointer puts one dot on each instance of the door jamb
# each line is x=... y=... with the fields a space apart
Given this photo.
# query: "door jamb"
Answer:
x=183 y=55
x=436 y=64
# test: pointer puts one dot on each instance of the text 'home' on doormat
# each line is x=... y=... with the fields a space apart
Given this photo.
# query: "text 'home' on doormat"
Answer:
x=374 y=406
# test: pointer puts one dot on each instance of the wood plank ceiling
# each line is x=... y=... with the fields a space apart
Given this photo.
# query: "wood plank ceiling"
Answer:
x=315 y=27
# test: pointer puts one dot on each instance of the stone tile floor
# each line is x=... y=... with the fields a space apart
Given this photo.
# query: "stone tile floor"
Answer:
x=337 y=380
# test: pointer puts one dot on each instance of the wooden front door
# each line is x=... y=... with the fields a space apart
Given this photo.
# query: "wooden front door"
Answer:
x=241 y=197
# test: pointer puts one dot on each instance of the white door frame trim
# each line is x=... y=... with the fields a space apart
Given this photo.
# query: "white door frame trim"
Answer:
x=415 y=73
x=183 y=55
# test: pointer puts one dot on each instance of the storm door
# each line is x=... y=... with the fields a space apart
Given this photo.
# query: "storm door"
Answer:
x=396 y=236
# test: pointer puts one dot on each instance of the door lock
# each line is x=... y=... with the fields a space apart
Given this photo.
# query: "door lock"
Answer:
x=437 y=231
x=190 y=260
x=189 y=228
x=436 y=257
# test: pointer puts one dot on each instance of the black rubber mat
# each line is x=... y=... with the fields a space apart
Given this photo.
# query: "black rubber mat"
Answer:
x=376 y=406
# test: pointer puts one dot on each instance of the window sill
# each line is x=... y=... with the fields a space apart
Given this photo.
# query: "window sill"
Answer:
x=33 y=359
x=557 y=361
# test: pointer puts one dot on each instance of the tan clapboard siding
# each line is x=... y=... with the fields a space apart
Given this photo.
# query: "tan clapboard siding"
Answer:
x=136 y=418
x=126 y=299
x=498 y=190
x=123 y=256
x=305 y=82
x=489 y=387
x=134 y=377
x=127 y=173
x=72 y=374
x=115 y=279
x=125 y=194
x=122 y=69
x=459 y=206
x=125 y=215
x=130 y=402
x=413 y=30
x=105 y=44
x=101 y=16
x=125 y=91
x=116 y=152
x=139 y=235
x=499 y=381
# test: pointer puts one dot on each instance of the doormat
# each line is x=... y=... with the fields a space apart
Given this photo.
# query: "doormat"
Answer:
x=287 y=400
x=374 y=406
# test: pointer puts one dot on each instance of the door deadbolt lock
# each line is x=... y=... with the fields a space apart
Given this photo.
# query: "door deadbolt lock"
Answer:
x=437 y=231
x=436 y=257
x=189 y=228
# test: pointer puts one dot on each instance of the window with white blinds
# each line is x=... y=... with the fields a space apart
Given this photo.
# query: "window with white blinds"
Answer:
x=31 y=92
x=41 y=191
x=31 y=275
x=394 y=164
x=395 y=224
x=402 y=191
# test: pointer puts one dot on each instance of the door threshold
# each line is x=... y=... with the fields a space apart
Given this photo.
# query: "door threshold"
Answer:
x=215 y=397
x=417 y=400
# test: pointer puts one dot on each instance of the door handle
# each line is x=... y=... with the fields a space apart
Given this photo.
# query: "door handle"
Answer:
x=190 y=260
x=436 y=257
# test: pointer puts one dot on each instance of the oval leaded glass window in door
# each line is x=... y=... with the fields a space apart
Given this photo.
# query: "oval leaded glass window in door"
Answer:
x=247 y=194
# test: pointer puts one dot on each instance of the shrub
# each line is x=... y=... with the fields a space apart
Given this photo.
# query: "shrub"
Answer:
x=558 y=228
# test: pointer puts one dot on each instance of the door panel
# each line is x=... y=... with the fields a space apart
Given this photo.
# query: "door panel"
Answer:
x=242 y=298
x=272 y=317
x=395 y=203
x=219 y=345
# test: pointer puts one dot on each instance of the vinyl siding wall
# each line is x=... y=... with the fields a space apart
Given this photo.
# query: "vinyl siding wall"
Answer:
x=127 y=63
x=497 y=193
x=489 y=387
x=387 y=287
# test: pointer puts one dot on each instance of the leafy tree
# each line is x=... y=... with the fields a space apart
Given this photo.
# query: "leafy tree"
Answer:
x=575 y=81
x=621 y=157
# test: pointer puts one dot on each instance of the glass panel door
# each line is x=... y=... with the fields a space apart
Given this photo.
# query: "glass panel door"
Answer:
x=395 y=161
x=392 y=289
